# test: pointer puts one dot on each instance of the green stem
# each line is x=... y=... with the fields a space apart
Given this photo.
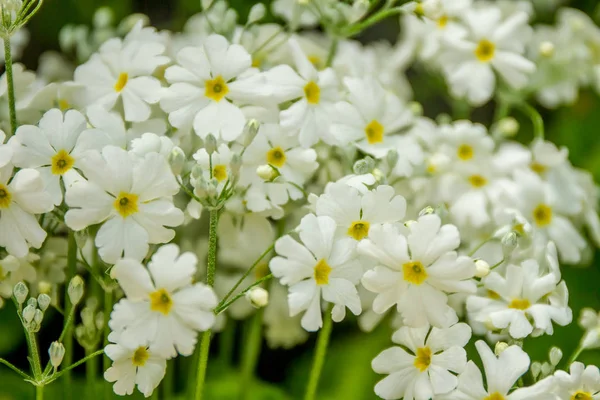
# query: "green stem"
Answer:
x=91 y=371
x=210 y=280
x=222 y=307
x=67 y=370
x=108 y=305
x=252 y=345
x=39 y=393
x=319 y=359
x=167 y=384
x=11 y=85
x=536 y=119
x=226 y=342
x=17 y=370
x=332 y=51
x=575 y=354
x=69 y=308
x=358 y=27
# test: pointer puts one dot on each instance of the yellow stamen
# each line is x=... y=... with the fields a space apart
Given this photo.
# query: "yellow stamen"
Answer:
x=161 y=301
x=5 y=197
x=121 y=81
x=519 y=304
x=581 y=395
x=442 y=21
x=322 y=271
x=485 y=51
x=126 y=204
x=537 y=167
x=359 y=230
x=140 y=356
x=374 y=132
x=63 y=105
x=62 y=162
x=276 y=157
x=216 y=89
x=315 y=61
x=495 y=396
x=414 y=272
x=542 y=215
x=493 y=295
x=477 y=181
x=312 y=92
x=220 y=172
x=423 y=358
x=465 y=152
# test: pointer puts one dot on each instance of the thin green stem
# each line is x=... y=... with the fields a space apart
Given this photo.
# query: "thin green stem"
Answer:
x=252 y=344
x=536 y=118
x=17 y=370
x=219 y=309
x=358 y=27
x=479 y=246
x=167 y=385
x=34 y=356
x=108 y=305
x=319 y=359
x=226 y=342
x=69 y=308
x=67 y=370
x=11 y=85
x=575 y=354
x=210 y=280
x=91 y=371
x=332 y=51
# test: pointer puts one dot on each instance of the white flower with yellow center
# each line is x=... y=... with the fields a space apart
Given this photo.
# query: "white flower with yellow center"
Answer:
x=163 y=308
x=219 y=161
x=370 y=118
x=14 y=270
x=465 y=143
x=120 y=77
x=426 y=364
x=589 y=321
x=209 y=86
x=319 y=268
x=490 y=44
x=523 y=302
x=582 y=383
x=416 y=269
x=292 y=165
x=133 y=366
x=297 y=12
x=55 y=148
x=501 y=373
x=356 y=214
x=21 y=197
x=132 y=197
x=316 y=93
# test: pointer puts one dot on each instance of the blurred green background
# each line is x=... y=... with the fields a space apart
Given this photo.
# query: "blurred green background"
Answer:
x=347 y=373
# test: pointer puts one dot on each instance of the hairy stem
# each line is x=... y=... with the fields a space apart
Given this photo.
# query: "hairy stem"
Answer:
x=252 y=344
x=319 y=359
x=11 y=85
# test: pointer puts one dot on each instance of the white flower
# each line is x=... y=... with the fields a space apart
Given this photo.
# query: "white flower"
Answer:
x=356 y=214
x=130 y=196
x=467 y=144
x=321 y=267
x=425 y=370
x=14 y=270
x=281 y=330
x=209 y=87
x=163 y=308
x=582 y=383
x=6 y=150
x=122 y=70
x=133 y=366
x=589 y=320
x=490 y=44
x=220 y=161
x=297 y=12
x=501 y=374
x=416 y=269
x=20 y=198
x=243 y=239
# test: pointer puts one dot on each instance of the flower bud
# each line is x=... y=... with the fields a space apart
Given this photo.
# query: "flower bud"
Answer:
x=250 y=132
x=258 y=297
x=28 y=313
x=257 y=12
x=56 y=353
x=32 y=302
x=206 y=4
x=20 y=292
x=210 y=144
x=547 y=369
x=43 y=301
x=500 y=347
x=364 y=166
x=38 y=317
x=392 y=158
x=75 y=289
x=536 y=368
x=176 y=160
x=235 y=164
x=426 y=211
x=509 y=242
x=482 y=268
x=266 y=172
x=508 y=127
x=547 y=49
x=556 y=355
x=103 y=17
x=416 y=108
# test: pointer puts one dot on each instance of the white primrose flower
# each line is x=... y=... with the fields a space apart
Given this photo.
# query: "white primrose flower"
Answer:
x=133 y=366
x=501 y=374
x=465 y=143
x=220 y=161
x=416 y=268
x=131 y=197
x=209 y=87
x=281 y=330
x=320 y=267
x=163 y=308
x=423 y=367
x=356 y=214
x=21 y=197
x=581 y=383
x=589 y=320
x=490 y=44
x=120 y=75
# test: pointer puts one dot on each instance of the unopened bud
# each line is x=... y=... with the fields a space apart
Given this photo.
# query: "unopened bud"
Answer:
x=206 y=4
x=28 y=314
x=509 y=243
x=258 y=297
x=176 y=160
x=266 y=172
x=508 y=127
x=103 y=17
x=38 y=317
x=250 y=132
x=235 y=164
x=547 y=49
x=81 y=238
x=43 y=301
x=415 y=108
x=536 y=368
x=482 y=268
x=427 y=211
x=392 y=158
x=75 y=289
x=257 y=12
x=56 y=353
x=556 y=355
x=547 y=369
x=20 y=292
x=210 y=144
x=32 y=302
x=364 y=166
x=500 y=347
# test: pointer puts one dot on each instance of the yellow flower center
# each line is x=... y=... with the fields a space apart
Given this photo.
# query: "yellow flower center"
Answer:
x=161 y=301
x=63 y=105
x=581 y=395
x=62 y=162
x=442 y=21
x=121 y=81
x=359 y=230
x=519 y=304
x=216 y=89
x=126 y=204
x=316 y=61
x=276 y=157
x=477 y=181
x=312 y=92
x=140 y=356
x=465 y=152
x=5 y=197
x=519 y=228
x=220 y=172
x=414 y=272
x=542 y=215
x=485 y=51
x=493 y=295
x=257 y=62
x=322 y=271
x=423 y=358
x=495 y=396
x=374 y=132
x=537 y=167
